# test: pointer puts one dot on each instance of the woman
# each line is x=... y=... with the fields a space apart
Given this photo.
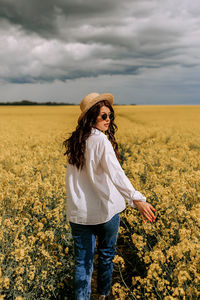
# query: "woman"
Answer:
x=96 y=187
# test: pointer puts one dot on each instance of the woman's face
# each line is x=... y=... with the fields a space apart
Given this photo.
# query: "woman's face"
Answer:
x=100 y=123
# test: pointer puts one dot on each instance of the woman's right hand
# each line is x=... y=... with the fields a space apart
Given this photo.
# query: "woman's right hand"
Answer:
x=146 y=210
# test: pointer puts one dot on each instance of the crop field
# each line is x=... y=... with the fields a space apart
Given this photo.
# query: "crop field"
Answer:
x=160 y=146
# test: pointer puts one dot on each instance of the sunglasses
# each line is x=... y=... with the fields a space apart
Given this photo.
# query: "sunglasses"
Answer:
x=104 y=116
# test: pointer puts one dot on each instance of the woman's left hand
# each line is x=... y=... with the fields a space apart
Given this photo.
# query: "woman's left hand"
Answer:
x=146 y=210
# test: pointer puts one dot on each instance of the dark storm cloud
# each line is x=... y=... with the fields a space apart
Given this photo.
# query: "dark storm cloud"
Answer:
x=35 y=16
x=41 y=16
x=47 y=40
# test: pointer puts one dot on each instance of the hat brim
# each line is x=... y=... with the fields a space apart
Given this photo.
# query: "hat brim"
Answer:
x=108 y=97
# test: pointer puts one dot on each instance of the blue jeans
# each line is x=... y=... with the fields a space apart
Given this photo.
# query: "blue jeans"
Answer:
x=84 y=237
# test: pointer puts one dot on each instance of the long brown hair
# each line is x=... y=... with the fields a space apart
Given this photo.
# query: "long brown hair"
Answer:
x=75 y=144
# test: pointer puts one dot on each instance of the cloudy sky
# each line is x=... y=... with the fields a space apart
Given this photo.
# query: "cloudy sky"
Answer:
x=142 y=51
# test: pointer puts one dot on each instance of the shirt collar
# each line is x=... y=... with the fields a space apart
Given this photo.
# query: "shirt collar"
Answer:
x=95 y=131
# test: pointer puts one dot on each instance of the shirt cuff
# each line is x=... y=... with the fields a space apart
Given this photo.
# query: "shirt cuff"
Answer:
x=137 y=196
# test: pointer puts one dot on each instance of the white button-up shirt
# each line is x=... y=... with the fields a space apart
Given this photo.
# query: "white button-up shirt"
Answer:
x=97 y=192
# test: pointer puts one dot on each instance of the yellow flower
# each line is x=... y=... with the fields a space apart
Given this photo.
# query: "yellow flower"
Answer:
x=119 y=260
x=19 y=270
x=39 y=226
x=178 y=291
x=44 y=274
x=8 y=223
x=119 y=290
x=19 y=254
x=31 y=240
x=6 y=282
x=50 y=235
x=183 y=276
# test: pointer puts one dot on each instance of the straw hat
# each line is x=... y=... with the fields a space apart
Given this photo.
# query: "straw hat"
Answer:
x=91 y=99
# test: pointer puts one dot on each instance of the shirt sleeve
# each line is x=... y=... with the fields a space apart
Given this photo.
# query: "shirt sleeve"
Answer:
x=117 y=175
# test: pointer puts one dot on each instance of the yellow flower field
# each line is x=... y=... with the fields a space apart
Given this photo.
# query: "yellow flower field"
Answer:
x=160 y=146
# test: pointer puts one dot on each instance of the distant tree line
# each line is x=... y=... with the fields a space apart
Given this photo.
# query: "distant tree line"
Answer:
x=27 y=102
